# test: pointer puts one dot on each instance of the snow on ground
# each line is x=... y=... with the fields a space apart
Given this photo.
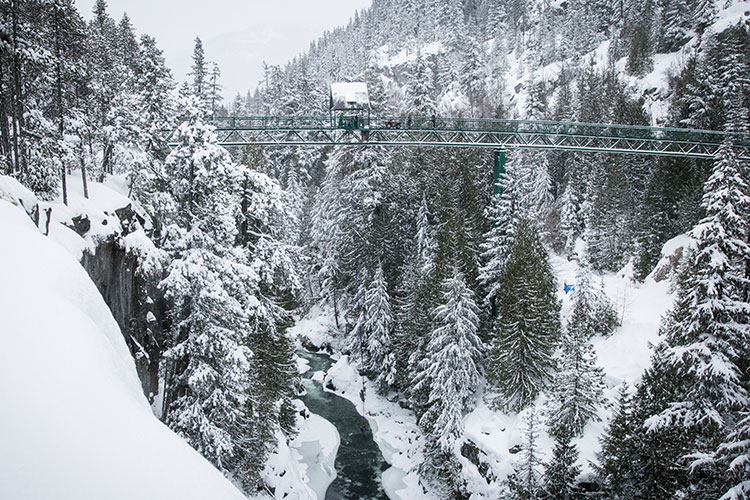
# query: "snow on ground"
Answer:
x=653 y=87
x=627 y=352
x=317 y=443
x=383 y=57
x=304 y=468
x=104 y=199
x=318 y=327
x=623 y=356
x=74 y=423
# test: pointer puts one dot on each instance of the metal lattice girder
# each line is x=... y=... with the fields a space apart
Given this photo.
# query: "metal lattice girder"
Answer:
x=457 y=132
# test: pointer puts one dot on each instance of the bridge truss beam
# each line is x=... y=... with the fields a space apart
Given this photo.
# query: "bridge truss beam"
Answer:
x=548 y=136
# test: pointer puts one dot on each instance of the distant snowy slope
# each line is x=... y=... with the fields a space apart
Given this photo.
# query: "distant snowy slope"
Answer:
x=73 y=421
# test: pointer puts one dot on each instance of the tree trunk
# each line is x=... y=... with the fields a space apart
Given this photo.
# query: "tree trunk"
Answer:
x=5 y=150
x=16 y=94
x=83 y=174
x=335 y=308
x=59 y=104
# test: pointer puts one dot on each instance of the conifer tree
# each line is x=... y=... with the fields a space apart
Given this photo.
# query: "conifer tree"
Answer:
x=700 y=366
x=210 y=353
x=106 y=82
x=527 y=330
x=450 y=371
x=214 y=89
x=593 y=314
x=578 y=388
x=199 y=73
x=572 y=218
x=378 y=327
x=704 y=331
x=561 y=473
x=128 y=50
x=704 y=14
x=426 y=245
x=525 y=483
x=231 y=376
x=676 y=22
x=421 y=100
x=472 y=77
x=153 y=86
x=498 y=240
x=733 y=456
x=733 y=69
x=620 y=444
x=608 y=221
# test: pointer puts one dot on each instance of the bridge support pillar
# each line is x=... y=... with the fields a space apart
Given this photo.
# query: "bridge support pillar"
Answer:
x=498 y=170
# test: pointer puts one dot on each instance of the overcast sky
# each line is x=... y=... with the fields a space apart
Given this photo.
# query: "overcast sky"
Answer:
x=237 y=34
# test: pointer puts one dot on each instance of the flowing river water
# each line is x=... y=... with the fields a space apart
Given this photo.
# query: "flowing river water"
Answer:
x=359 y=463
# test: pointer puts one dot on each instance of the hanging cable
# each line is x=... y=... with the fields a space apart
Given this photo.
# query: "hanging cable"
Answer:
x=363 y=427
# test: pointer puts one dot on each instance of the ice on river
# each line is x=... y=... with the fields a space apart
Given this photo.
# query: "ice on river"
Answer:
x=317 y=443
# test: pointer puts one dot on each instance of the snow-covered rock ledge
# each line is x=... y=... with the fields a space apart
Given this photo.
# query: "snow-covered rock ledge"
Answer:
x=74 y=423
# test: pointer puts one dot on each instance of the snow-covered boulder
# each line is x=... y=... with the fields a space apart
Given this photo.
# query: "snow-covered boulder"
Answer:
x=14 y=192
x=74 y=423
x=671 y=255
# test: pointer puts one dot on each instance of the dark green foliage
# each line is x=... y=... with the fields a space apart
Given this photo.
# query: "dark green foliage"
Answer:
x=670 y=206
x=640 y=57
x=527 y=329
x=608 y=226
x=619 y=449
x=561 y=473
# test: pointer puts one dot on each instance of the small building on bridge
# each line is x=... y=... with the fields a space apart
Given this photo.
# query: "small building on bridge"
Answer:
x=349 y=105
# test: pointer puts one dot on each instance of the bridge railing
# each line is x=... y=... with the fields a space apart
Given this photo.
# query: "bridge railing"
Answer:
x=610 y=131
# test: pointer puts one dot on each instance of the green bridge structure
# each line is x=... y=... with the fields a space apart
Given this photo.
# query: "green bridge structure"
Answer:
x=499 y=135
x=474 y=133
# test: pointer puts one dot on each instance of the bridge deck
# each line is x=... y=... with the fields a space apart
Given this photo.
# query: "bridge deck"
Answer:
x=472 y=132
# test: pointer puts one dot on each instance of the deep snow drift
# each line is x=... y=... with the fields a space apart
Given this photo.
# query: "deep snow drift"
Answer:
x=74 y=423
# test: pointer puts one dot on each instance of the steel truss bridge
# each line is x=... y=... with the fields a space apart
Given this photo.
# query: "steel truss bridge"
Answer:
x=475 y=133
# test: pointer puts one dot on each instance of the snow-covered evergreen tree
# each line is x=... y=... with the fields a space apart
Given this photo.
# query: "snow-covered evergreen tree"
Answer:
x=420 y=99
x=593 y=313
x=704 y=14
x=700 y=366
x=426 y=245
x=619 y=448
x=733 y=456
x=561 y=472
x=578 y=388
x=704 y=331
x=498 y=240
x=210 y=355
x=199 y=73
x=525 y=484
x=451 y=371
x=378 y=330
x=527 y=329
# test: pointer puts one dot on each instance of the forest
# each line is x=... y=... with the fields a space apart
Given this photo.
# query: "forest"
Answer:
x=446 y=288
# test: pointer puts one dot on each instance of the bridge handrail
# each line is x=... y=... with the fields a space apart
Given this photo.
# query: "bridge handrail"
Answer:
x=459 y=124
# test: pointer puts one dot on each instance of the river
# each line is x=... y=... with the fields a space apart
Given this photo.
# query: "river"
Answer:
x=359 y=463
